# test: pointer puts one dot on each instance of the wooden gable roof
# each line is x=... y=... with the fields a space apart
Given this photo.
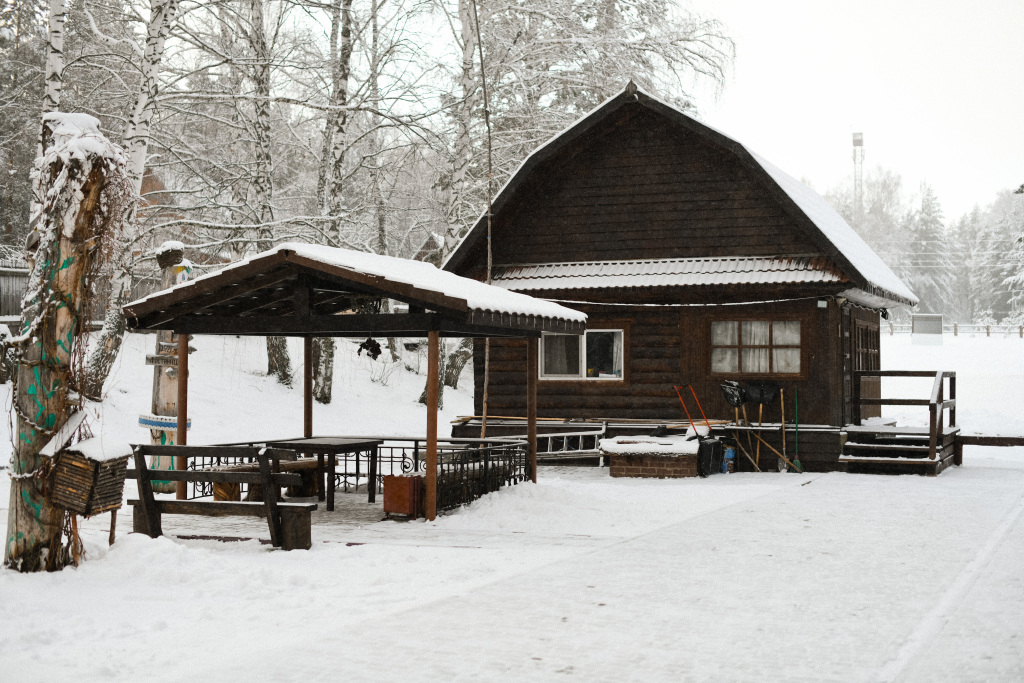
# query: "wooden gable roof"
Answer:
x=799 y=221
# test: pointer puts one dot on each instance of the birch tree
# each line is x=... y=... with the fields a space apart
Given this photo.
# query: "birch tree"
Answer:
x=136 y=140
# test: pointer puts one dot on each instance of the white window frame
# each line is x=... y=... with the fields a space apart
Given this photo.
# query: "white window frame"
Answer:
x=582 y=374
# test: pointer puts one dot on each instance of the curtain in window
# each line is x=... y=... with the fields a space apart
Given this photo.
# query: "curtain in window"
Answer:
x=561 y=354
x=724 y=333
x=617 y=354
x=755 y=333
x=786 y=333
x=786 y=360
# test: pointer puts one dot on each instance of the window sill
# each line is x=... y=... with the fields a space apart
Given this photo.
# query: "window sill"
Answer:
x=583 y=380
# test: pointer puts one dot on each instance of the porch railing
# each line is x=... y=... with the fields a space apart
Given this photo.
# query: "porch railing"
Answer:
x=937 y=404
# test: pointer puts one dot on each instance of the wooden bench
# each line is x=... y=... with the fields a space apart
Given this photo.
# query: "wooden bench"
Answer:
x=289 y=522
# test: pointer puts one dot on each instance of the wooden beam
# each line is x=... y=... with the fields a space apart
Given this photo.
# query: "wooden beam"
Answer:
x=249 y=305
x=181 y=491
x=359 y=325
x=302 y=297
x=204 y=293
x=392 y=289
x=531 y=405
x=981 y=440
x=307 y=387
x=433 y=361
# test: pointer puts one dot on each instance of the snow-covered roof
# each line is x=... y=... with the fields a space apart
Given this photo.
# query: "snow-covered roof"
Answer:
x=876 y=285
x=404 y=277
x=680 y=272
x=838 y=231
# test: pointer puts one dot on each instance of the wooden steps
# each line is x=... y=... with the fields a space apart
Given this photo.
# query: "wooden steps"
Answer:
x=884 y=449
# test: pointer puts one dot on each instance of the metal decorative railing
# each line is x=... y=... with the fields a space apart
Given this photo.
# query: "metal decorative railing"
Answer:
x=467 y=473
x=466 y=468
x=202 y=489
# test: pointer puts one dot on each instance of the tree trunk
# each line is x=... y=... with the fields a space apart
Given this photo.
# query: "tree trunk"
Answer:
x=457 y=360
x=136 y=137
x=85 y=200
x=107 y=347
x=335 y=199
x=323 y=368
x=379 y=204
x=53 y=78
x=332 y=156
x=460 y=209
x=279 y=364
x=441 y=370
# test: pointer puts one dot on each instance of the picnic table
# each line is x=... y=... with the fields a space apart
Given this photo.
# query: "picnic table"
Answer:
x=328 y=448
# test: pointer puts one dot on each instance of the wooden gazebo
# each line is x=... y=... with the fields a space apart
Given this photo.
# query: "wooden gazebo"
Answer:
x=301 y=290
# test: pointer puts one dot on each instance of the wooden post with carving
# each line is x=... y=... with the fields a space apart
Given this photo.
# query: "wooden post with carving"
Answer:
x=162 y=420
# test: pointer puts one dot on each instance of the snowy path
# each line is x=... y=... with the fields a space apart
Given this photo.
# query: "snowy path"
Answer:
x=771 y=577
x=747 y=577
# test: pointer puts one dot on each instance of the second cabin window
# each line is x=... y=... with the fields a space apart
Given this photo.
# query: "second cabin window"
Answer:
x=755 y=347
x=596 y=355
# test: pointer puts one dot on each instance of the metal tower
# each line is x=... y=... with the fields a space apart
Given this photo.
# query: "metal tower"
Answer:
x=858 y=174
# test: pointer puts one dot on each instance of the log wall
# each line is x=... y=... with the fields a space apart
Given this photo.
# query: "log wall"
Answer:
x=641 y=187
x=668 y=347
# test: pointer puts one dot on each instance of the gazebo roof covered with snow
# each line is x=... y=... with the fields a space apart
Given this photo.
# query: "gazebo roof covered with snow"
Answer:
x=303 y=290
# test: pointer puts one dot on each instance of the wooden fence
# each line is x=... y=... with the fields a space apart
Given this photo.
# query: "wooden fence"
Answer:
x=13 y=280
x=957 y=329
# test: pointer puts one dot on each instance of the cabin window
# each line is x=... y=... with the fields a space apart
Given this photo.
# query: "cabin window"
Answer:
x=597 y=355
x=755 y=347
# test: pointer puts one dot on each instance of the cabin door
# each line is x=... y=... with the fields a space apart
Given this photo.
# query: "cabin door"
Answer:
x=846 y=343
x=866 y=357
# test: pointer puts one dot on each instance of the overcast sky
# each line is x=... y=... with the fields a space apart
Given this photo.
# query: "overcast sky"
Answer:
x=937 y=88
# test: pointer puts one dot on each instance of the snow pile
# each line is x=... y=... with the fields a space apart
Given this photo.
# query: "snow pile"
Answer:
x=671 y=446
x=579 y=575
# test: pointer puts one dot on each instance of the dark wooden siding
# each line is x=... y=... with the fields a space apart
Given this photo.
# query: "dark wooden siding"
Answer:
x=639 y=187
x=667 y=346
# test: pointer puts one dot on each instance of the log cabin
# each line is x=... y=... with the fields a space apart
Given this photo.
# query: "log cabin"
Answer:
x=696 y=260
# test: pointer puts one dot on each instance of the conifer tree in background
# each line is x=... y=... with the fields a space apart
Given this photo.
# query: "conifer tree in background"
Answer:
x=928 y=266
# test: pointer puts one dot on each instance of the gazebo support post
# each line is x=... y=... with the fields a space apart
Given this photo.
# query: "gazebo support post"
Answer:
x=307 y=387
x=433 y=360
x=181 y=491
x=531 y=405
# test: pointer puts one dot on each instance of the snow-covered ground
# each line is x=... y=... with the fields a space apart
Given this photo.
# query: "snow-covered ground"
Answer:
x=754 y=577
